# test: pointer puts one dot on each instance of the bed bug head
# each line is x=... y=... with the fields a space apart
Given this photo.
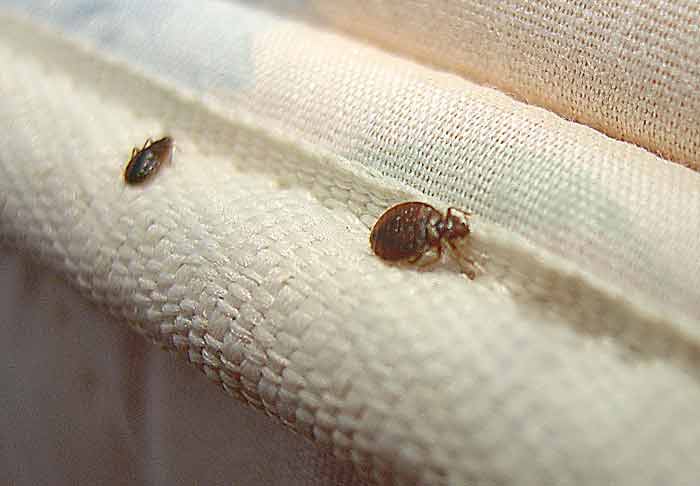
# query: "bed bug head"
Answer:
x=455 y=224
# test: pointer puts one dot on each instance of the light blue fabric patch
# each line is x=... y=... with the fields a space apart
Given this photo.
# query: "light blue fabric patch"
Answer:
x=203 y=46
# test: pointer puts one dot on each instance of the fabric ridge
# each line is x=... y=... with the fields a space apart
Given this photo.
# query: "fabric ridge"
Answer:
x=630 y=70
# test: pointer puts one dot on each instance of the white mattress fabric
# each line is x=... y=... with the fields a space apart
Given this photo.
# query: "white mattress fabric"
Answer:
x=87 y=401
x=571 y=359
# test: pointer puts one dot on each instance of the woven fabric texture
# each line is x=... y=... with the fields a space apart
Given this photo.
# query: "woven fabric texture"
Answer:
x=88 y=401
x=630 y=69
x=567 y=361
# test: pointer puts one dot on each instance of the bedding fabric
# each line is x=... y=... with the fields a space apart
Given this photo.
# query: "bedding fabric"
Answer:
x=572 y=358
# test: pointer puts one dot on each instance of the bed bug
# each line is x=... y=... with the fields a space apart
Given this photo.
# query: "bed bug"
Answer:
x=148 y=159
x=408 y=231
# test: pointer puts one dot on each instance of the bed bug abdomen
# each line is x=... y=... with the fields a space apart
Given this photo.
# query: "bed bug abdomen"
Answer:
x=404 y=232
x=146 y=161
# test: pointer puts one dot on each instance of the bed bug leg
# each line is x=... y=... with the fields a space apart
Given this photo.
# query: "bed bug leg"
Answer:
x=422 y=261
x=426 y=262
x=414 y=258
x=461 y=257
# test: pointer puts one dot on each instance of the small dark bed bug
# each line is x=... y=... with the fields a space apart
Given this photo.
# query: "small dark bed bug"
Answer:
x=408 y=231
x=148 y=159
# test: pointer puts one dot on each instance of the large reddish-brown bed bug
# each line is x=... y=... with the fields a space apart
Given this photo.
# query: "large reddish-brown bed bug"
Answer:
x=408 y=231
x=148 y=159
